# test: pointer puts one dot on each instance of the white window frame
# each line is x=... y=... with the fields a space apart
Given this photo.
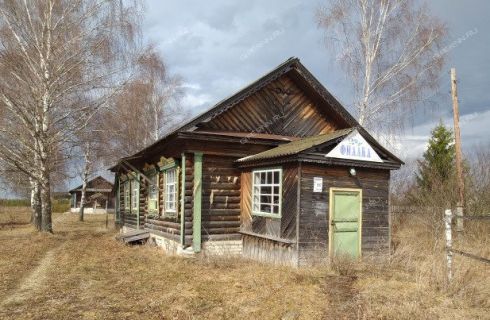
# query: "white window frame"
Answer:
x=127 y=195
x=168 y=210
x=155 y=180
x=257 y=193
x=135 y=189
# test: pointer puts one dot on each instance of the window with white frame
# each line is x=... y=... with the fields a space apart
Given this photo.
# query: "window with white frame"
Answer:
x=266 y=192
x=126 y=195
x=171 y=191
x=153 y=194
x=134 y=195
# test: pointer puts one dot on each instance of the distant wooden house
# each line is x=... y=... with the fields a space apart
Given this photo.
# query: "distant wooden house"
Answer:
x=99 y=197
x=278 y=172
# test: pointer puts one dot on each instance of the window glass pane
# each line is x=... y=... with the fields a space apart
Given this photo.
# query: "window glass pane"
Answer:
x=171 y=190
x=262 y=178
x=276 y=199
x=266 y=191
x=265 y=199
x=265 y=208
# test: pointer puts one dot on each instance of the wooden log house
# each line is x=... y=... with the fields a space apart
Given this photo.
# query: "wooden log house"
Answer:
x=99 y=197
x=278 y=172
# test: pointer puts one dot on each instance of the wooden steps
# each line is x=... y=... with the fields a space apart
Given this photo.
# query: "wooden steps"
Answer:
x=133 y=236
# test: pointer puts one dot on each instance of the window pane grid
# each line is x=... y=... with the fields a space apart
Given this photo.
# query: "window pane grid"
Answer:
x=266 y=191
x=134 y=194
x=153 y=193
x=170 y=191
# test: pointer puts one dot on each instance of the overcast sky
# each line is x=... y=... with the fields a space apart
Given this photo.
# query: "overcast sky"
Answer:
x=218 y=47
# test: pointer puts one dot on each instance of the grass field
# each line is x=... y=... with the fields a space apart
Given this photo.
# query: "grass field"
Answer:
x=81 y=272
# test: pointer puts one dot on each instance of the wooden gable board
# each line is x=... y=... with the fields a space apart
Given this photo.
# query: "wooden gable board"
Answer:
x=327 y=105
x=281 y=107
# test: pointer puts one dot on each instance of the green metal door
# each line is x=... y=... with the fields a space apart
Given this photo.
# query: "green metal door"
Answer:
x=345 y=222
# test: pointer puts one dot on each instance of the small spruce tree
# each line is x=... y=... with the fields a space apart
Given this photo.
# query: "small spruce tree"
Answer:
x=437 y=166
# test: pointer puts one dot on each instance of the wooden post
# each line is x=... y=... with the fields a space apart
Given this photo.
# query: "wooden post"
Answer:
x=182 y=203
x=196 y=220
x=118 y=200
x=459 y=156
x=137 y=181
x=106 y=213
x=449 y=244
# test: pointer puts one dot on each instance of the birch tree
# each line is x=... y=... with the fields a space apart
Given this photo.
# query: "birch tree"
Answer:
x=60 y=62
x=148 y=107
x=391 y=51
x=90 y=153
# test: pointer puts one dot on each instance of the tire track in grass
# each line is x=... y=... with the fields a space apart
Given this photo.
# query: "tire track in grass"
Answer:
x=31 y=284
x=344 y=301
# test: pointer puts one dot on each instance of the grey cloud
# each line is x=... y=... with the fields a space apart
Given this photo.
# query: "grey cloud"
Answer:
x=210 y=38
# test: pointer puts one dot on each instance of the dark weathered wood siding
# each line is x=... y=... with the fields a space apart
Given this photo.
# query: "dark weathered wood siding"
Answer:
x=284 y=227
x=314 y=213
x=170 y=226
x=281 y=108
x=279 y=233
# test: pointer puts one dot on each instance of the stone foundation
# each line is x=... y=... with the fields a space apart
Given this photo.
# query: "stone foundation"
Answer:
x=221 y=248
x=169 y=246
x=213 y=248
x=90 y=210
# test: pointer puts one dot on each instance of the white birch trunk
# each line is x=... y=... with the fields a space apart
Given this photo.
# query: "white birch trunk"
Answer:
x=35 y=204
x=85 y=175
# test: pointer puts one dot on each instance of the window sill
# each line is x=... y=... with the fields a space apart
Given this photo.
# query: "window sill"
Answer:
x=263 y=236
x=267 y=215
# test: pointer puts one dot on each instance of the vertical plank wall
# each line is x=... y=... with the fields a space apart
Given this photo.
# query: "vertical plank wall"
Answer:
x=314 y=215
x=278 y=245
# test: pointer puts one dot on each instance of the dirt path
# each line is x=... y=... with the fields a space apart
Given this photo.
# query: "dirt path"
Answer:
x=31 y=284
x=344 y=301
x=34 y=281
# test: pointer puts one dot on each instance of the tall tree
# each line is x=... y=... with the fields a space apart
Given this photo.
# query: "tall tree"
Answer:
x=437 y=166
x=391 y=50
x=60 y=62
x=148 y=107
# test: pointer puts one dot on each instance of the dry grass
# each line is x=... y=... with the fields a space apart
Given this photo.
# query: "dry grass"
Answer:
x=11 y=217
x=413 y=284
x=94 y=277
x=81 y=272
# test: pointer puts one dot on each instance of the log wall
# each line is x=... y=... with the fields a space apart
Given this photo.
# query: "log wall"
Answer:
x=170 y=226
x=220 y=198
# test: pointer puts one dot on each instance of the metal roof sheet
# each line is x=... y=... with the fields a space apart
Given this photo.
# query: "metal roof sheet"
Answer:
x=297 y=146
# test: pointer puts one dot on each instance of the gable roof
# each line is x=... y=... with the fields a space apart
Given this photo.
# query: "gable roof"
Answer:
x=292 y=64
x=89 y=184
x=297 y=146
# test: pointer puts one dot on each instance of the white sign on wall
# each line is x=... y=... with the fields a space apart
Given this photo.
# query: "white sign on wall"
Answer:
x=317 y=184
x=354 y=147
